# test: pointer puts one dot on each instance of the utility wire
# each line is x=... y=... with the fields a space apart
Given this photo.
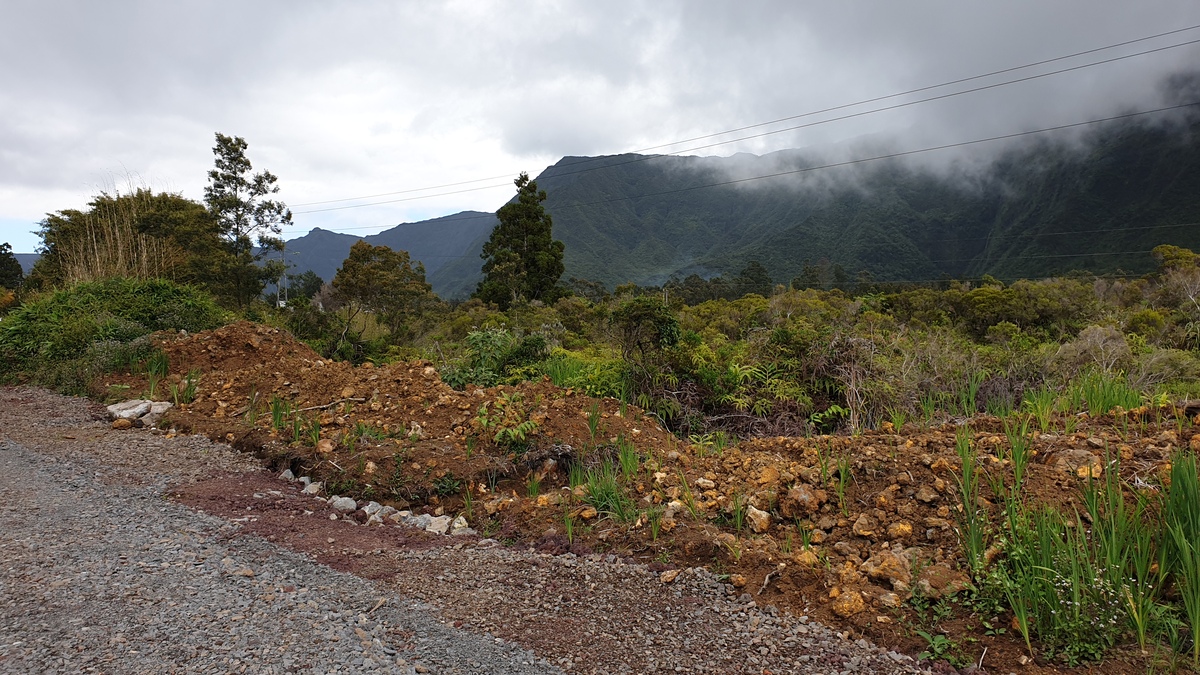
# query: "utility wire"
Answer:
x=802 y=115
x=847 y=162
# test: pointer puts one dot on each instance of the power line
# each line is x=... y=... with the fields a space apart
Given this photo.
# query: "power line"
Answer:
x=799 y=116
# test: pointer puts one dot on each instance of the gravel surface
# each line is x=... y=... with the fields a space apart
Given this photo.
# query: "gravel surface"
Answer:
x=100 y=573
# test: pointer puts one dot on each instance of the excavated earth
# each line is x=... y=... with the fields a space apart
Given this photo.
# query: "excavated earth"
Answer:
x=550 y=573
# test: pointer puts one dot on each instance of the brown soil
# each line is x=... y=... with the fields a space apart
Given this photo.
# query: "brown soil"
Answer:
x=423 y=453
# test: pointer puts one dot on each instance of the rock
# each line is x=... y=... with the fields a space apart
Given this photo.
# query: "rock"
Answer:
x=372 y=508
x=387 y=512
x=494 y=506
x=865 y=526
x=827 y=523
x=668 y=576
x=890 y=600
x=769 y=475
x=1077 y=461
x=889 y=567
x=460 y=523
x=287 y=475
x=705 y=484
x=588 y=513
x=760 y=521
x=899 y=530
x=801 y=501
x=122 y=423
x=313 y=488
x=129 y=410
x=927 y=494
x=848 y=603
x=845 y=548
x=344 y=504
x=807 y=558
x=325 y=446
x=157 y=409
x=737 y=580
x=439 y=525
x=1194 y=444
x=936 y=581
x=1095 y=442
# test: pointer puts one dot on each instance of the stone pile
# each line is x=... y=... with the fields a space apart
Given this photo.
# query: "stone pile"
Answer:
x=137 y=413
x=374 y=513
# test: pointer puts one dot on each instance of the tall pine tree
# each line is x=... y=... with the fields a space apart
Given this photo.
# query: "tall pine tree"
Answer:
x=522 y=260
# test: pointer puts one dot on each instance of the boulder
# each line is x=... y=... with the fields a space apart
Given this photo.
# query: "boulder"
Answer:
x=439 y=524
x=802 y=500
x=890 y=567
x=848 y=603
x=760 y=521
x=129 y=410
x=936 y=581
x=343 y=504
x=866 y=526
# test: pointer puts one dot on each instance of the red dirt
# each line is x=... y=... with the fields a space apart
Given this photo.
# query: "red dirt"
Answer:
x=903 y=483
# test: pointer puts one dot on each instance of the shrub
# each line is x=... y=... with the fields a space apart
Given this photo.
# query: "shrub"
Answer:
x=96 y=326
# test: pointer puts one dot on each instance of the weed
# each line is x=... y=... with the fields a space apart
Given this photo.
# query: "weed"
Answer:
x=654 y=520
x=280 y=409
x=471 y=441
x=577 y=475
x=593 y=421
x=897 y=417
x=569 y=526
x=1040 y=403
x=605 y=494
x=937 y=645
x=446 y=485
x=157 y=364
x=971 y=521
x=738 y=512
x=928 y=408
x=1103 y=393
x=968 y=393
x=533 y=485
x=689 y=499
x=843 y=478
x=1017 y=432
x=314 y=432
x=468 y=503
x=628 y=457
x=252 y=407
x=823 y=459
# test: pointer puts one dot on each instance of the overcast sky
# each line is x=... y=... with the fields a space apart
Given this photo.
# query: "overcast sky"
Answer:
x=344 y=100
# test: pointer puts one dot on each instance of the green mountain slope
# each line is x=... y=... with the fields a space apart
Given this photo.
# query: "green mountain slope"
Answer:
x=1037 y=210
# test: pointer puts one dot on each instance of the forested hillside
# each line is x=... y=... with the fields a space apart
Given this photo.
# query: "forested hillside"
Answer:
x=1038 y=210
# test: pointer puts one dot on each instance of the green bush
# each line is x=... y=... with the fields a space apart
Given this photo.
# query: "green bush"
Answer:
x=64 y=338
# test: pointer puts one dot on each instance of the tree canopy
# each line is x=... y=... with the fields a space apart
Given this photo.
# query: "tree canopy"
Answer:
x=11 y=274
x=382 y=281
x=239 y=201
x=522 y=260
x=138 y=234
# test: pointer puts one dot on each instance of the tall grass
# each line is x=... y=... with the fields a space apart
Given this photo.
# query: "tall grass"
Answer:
x=605 y=494
x=1103 y=392
x=1040 y=403
x=1181 y=516
x=971 y=521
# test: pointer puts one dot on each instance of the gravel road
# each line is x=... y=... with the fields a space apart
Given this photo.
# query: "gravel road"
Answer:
x=100 y=573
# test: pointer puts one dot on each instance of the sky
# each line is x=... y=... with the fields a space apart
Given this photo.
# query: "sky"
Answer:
x=436 y=107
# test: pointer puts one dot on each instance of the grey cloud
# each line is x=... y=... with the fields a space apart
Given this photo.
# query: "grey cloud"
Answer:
x=355 y=98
